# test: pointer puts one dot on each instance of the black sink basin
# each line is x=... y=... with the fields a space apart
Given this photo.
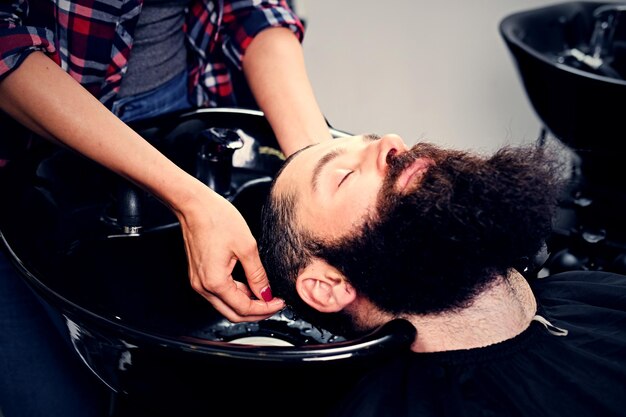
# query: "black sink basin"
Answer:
x=571 y=58
x=126 y=300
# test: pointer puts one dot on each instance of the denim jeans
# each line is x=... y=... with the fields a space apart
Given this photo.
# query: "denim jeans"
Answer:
x=170 y=97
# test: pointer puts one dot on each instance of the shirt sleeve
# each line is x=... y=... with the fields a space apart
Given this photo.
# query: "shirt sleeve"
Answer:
x=243 y=20
x=18 y=40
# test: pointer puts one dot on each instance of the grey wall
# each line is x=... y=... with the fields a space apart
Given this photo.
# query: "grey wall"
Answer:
x=427 y=70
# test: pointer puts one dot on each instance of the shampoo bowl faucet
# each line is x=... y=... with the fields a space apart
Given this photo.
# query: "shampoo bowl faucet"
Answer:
x=214 y=159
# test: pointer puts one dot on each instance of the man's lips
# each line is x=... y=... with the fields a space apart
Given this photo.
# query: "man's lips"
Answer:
x=413 y=171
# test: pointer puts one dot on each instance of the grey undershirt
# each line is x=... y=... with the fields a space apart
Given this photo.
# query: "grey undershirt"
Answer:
x=158 y=52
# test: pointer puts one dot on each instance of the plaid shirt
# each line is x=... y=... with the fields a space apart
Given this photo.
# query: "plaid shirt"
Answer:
x=92 y=39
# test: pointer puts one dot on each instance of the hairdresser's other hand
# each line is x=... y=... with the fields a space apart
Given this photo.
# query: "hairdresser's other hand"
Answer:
x=216 y=237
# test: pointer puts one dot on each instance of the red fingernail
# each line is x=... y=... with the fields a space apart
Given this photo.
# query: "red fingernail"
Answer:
x=267 y=294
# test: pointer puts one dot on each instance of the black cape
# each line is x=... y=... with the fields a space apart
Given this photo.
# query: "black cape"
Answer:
x=537 y=373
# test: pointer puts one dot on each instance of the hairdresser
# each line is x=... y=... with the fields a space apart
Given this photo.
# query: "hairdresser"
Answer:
x=76 y=72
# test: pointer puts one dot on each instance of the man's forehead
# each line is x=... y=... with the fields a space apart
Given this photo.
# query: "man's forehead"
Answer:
x=302 y=166
x=302 y=161
x=293 y=166
x=299 y=166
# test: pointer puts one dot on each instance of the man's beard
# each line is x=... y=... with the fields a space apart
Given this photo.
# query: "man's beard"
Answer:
x=468 y=220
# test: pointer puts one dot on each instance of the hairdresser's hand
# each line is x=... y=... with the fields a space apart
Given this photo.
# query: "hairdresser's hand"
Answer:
x=215 y=233
x=216 y=237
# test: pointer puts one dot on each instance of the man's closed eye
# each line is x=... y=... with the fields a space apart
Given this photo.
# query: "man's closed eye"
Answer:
x=344 y=178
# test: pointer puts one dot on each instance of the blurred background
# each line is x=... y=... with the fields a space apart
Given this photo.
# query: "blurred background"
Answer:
x=427 y=70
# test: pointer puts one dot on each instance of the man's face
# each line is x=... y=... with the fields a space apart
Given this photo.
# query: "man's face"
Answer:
x=337 y=183
x=415 y=230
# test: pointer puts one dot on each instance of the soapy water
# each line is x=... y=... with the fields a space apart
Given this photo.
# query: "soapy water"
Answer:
x=261 y=341
x=284 y=328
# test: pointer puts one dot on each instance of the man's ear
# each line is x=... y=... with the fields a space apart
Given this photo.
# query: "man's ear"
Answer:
x=324 y=288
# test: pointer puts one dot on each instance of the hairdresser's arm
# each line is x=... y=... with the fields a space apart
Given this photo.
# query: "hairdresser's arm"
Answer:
x=44 y=98
x=275 y=70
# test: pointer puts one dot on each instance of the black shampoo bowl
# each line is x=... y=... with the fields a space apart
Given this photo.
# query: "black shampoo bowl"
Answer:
x=571 y=58
x=124 y=297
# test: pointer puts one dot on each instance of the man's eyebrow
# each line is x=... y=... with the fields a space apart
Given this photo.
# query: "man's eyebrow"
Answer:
x=319 y=166
x=322 y=163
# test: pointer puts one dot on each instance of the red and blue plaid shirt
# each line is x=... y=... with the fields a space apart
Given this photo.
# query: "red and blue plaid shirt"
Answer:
x=92 y=39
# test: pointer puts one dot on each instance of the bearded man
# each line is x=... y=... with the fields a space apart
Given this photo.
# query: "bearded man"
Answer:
x=362 y=230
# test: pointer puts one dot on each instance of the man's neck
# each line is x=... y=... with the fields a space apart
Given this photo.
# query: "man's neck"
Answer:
x=501 y=312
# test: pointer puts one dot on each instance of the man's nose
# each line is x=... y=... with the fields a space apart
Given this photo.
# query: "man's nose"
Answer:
x=388 y=146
